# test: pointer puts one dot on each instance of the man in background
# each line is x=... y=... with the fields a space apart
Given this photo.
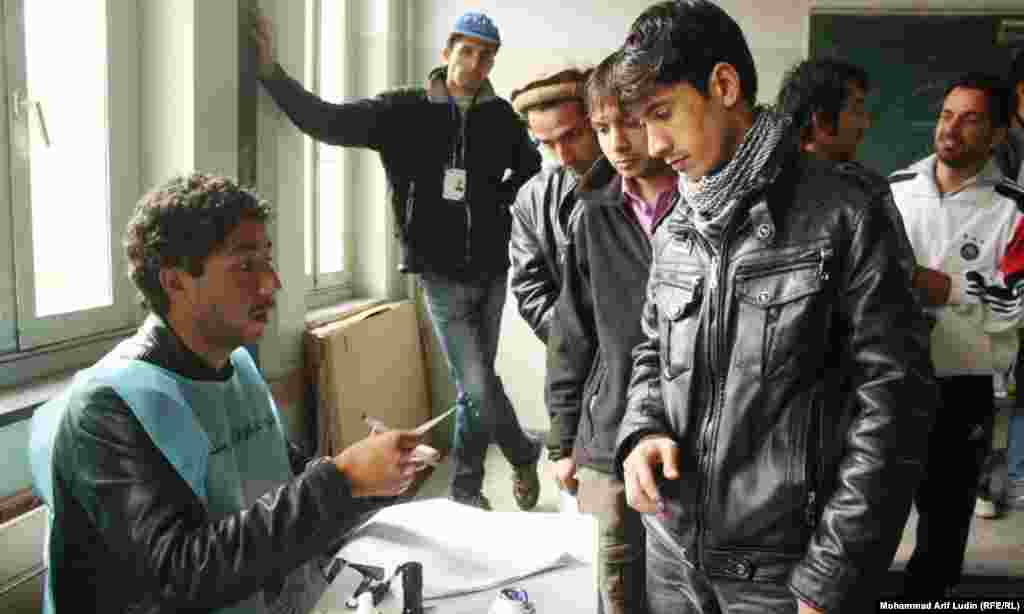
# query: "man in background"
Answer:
x=446 y=149
x=960 y=226
x=546 y=207
x=826 y=99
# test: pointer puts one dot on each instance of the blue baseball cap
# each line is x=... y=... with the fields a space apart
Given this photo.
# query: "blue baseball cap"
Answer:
x=479 y=26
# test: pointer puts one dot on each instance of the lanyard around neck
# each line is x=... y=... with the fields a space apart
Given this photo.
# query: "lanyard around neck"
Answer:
x=459 y=151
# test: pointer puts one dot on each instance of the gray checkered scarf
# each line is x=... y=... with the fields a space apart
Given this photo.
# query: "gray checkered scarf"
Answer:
x=709 y=201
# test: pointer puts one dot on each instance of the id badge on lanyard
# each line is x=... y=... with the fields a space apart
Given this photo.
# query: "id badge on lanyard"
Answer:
x=453 y=185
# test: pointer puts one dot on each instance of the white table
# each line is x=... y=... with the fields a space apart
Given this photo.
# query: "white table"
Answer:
x=461 y=547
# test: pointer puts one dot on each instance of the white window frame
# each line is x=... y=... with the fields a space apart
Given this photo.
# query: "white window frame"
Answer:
x=324 y=288
x=52 y=344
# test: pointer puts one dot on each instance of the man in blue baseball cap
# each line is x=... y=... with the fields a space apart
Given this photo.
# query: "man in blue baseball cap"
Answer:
x=446 y=148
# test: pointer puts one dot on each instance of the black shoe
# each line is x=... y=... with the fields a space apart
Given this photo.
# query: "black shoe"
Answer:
x=525 y=483
x=478 y=500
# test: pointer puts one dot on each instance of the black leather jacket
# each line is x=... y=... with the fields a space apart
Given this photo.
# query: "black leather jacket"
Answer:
x=792 y=368
x=133 y=537
x=542 y=214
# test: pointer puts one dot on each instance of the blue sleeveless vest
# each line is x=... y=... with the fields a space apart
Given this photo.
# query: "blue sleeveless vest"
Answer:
x=225 y=439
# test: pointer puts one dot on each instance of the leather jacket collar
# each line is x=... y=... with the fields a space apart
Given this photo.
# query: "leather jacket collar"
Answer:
x=156 y=343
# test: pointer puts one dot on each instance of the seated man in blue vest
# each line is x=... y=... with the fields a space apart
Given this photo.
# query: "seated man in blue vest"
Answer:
x=165 y=466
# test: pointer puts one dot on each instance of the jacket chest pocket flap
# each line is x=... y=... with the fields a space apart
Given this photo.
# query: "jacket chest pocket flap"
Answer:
x=781 y=314
x=679 y=302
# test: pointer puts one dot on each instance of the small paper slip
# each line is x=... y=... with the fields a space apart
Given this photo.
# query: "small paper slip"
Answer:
x=429 y=424
x=380 y=427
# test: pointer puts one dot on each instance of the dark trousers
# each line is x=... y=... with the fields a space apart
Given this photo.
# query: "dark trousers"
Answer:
x=960 y=439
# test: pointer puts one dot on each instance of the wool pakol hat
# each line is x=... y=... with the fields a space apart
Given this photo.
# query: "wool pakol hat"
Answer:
x=555 y=85
x=479 y=26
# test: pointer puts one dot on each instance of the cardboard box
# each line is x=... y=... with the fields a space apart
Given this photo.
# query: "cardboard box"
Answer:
x=369 y=363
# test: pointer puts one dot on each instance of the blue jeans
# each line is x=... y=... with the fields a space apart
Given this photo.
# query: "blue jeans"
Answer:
x=677 y=587
x=1015 y=447
x=1015 y=432
x=467 y=320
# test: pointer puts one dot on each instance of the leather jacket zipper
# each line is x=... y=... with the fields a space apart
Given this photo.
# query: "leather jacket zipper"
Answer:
x=715 y=343
x=819 y=257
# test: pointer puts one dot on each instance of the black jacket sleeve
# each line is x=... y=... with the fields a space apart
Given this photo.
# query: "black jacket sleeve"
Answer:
x=885 y=445
x=645 y=405
x=534 y=282
x=151 y=522
x=525 y=163
x=572 y=341
x=353 y=124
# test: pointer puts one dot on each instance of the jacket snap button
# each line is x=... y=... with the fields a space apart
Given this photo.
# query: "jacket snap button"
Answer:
x=764 y=231
x=763 y=297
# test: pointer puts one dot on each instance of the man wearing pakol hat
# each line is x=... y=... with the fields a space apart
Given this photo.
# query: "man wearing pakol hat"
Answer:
x=552 y=105
x=446 y=148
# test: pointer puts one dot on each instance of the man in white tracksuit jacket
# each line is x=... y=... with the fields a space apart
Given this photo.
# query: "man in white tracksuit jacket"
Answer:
x=959 y=220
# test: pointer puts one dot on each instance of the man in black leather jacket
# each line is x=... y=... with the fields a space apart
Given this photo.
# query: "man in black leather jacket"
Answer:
x=546 y=206
x=146 y=519
x=779 y=407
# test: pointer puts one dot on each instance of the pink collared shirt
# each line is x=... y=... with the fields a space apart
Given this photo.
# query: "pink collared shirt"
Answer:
x=644 y=212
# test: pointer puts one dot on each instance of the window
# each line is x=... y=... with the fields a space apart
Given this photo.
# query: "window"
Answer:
x=73 y=172
x=69 y=178
x=326 y=165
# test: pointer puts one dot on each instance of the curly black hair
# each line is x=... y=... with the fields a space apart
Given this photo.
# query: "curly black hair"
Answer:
x=681 y=41
x=819 y=86
x=179 y=224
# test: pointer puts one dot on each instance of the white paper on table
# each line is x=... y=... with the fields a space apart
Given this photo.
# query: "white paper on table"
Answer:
x=464 y=549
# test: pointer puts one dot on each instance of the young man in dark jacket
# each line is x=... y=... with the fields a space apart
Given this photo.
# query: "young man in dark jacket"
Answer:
x=170 y=482
x=596 y=324
x=826 y=99
x=446 y=149
x=546 y=207
x=779 y=407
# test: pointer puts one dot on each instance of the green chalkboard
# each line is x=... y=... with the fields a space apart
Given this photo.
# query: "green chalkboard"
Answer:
x=909 y=59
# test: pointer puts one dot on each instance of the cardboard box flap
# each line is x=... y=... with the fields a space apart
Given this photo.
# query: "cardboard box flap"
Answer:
x=371 y=363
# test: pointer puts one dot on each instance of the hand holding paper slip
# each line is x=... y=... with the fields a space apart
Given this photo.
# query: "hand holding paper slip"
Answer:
x=422 y=454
